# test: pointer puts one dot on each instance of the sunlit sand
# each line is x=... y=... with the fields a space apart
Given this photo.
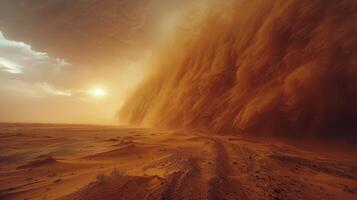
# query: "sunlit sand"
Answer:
x=101 y=162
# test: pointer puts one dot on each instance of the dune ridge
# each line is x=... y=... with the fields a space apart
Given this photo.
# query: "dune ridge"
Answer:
x=285 y=68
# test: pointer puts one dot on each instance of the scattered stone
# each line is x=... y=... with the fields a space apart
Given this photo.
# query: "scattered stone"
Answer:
x=112 y=140
x=349 y=189
x=278 y=190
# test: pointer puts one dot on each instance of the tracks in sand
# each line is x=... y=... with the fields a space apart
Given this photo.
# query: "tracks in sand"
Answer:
x=204 y=174
x=179 y=165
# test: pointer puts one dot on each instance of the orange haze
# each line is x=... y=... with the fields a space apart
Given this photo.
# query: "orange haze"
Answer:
x=283 y=67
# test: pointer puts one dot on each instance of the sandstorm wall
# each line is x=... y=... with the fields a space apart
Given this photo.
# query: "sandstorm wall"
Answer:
x=264 y=67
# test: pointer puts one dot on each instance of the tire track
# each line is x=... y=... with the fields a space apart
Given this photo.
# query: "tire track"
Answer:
x=221 y=186
x=188 y=184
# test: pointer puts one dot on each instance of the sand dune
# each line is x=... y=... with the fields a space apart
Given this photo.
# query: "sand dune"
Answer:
x=84 y=162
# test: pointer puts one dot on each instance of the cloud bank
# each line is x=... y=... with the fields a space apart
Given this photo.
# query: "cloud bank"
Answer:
x=286 y=68
x=92 y=32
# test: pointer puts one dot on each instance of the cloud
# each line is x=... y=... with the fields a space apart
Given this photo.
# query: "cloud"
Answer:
x=21 y=89
x=18 y=57
x=26 y=71
x=51 y=90
x=94 y=31
x=9 y=66
x=108 y=29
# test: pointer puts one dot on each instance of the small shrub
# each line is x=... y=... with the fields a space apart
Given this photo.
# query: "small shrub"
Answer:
x=116 y=172
x=101 y=177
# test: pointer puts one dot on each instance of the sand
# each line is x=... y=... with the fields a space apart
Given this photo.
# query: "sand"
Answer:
x=71 y=162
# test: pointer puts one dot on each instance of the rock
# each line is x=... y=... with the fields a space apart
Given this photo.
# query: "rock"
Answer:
x=278 y=190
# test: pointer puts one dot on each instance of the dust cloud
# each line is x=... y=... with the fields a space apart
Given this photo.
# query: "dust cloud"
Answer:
x=277 y=68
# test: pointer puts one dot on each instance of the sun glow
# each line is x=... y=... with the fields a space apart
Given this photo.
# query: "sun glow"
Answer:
x=98 y=92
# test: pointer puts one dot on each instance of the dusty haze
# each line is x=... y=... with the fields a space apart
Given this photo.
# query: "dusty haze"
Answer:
x=263 y=67
x=52 y=53
x=226 y=99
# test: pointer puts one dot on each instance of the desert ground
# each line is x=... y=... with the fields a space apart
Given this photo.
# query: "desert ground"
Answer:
x=73 y=162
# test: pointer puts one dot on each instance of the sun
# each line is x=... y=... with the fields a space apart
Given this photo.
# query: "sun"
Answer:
x=98 y=92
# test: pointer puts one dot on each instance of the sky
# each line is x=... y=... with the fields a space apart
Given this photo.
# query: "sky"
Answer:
x=65 y=61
